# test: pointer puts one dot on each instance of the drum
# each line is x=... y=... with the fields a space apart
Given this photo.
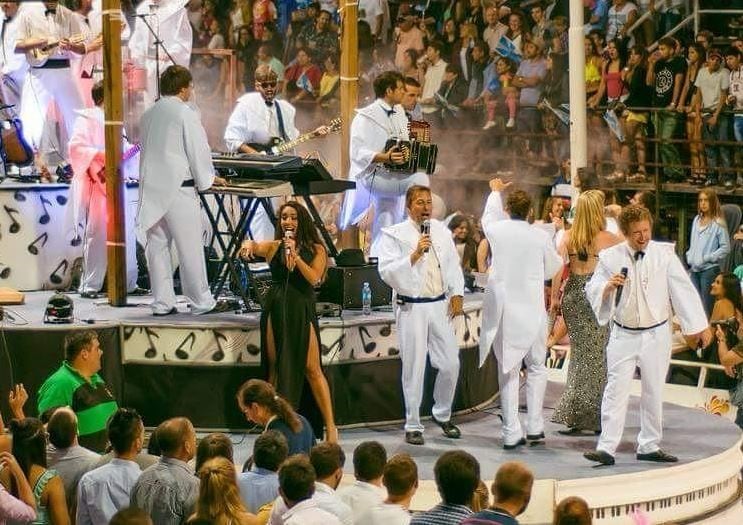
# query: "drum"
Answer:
x=136 y=79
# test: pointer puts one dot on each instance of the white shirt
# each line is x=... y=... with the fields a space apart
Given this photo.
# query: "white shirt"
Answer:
x=104 y=491
x=369 y=10
x=175 y=32
x=711 y=85
x=327 y=499
x=253 y=121
x=307 y=512
x=12 y=62
x=385 y=514
x=34 y=23
x=433 y=79
x=361 y=496
x=636 y=312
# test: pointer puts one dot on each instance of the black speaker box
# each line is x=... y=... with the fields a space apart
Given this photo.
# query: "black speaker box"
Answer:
x=343 y=286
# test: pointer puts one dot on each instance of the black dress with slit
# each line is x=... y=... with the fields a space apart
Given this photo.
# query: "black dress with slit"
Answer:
x=290 y=306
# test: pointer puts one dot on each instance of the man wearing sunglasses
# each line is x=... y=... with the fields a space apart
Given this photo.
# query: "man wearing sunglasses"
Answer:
x=259 y=118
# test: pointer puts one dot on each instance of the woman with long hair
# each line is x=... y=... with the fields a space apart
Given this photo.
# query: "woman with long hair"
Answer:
x=579 y=407
x=219 y=500
x=216 y=445
x=639 y=95
x=450 y=38
x=260 y=404
x=592 y=74
x=29 y=450
x=708 y=245
x=696 y=60
x=464 y=242
x=410 y=67
x=290 y=335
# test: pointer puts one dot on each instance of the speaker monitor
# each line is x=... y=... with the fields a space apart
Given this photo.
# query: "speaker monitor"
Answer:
x=343 y=286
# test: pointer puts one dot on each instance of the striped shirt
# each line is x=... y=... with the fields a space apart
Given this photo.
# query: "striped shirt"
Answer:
x=442 y=514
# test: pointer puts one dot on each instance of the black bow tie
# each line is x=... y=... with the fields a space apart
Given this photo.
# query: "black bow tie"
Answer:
x=269 y=103
x=389 y=111
x=639 y=255
x=50 y=11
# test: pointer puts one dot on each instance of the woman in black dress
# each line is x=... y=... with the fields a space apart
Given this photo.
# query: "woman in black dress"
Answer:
x=290 y=333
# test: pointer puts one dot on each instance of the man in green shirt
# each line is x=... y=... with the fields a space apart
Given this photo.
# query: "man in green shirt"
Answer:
x=77 y=384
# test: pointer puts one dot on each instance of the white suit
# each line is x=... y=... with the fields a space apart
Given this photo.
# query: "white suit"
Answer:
x=423 y=329
x=14 y=65
x=514 y=320
x=174 y=149
x=252 y=121
x=376 y=185
x=658 y=280
x=87 y=214
x=170 y=20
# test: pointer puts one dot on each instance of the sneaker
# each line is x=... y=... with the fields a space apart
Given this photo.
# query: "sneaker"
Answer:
x=511 y=123
x=414 y=438
x=488 y=125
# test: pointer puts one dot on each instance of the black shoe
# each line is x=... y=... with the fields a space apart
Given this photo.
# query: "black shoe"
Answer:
x=520 y=443
x=89 y=295
x=414 y=438
x=139 y=291
x=599 y=456
x=449 y=428
x=221 y=307
x=172 y=311
x=572 y=431
x=535 y=437
x=658 y=456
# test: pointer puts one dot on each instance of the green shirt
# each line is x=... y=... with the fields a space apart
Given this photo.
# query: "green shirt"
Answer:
x=91 y=401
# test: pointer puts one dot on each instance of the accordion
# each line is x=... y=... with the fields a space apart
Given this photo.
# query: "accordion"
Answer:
x=419 y=152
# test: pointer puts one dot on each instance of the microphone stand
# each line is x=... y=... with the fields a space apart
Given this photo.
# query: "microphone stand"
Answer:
x=158 y=44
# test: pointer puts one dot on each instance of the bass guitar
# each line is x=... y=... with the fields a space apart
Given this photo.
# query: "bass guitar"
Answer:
x=276 y=146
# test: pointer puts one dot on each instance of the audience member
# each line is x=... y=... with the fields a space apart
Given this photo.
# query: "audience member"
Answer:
x=457 y=474
x=369 y=459
x=215 y=445
x=400 y=478
x=435 y=69
x=168 y=490
x=131 y=516
x=77 y=384
x=260 y=485
x=328 y=459
x=572 y=511
x=21 y=509
x=732 y=359
x=67 y=457
x=512 y=492
x=219 y=500
x=296 y=486
x=106 y=490
x=464 y=242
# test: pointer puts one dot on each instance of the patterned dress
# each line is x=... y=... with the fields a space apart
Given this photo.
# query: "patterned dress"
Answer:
x=580 y=404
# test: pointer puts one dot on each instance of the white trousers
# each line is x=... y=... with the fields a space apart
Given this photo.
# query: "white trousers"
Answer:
x=42 y=86
x=651 y=351
x=536 y=384
x=95 y=257
x=11 y=89
x=424 y=330
x=387 y=192
x=181 y=225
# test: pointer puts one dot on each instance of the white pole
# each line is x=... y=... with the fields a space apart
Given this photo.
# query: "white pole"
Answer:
x=577 y=64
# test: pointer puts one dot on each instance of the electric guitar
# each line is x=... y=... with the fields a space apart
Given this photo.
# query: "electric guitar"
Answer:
x=38 y=56
x=125 y=156
x=276 y=146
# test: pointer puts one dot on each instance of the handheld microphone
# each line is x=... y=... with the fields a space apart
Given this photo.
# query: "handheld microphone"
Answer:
x=288 y=234
x=426 y=230
x=618 y=297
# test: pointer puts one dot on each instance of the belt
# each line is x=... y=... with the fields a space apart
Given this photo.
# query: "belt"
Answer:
x=188 y=183
x=402 y=299
x=55 y=63
x=640 y=329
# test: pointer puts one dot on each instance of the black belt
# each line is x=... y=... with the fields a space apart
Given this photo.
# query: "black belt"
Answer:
x=402 y=299
x=188 y=183
x=55 y=63
x=640 y=329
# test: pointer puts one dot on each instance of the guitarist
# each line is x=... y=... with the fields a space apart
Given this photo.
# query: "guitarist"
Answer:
x=55 y=33
x=256 y=119
x=87 y=214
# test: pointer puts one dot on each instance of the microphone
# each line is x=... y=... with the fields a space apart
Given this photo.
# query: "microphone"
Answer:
x=426 y=230
x=618 y=297
x=288 y=234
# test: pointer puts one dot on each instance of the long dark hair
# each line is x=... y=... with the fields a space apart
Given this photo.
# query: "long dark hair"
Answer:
x=29 y=443
x=469 y=257
x=306 y=234
x=264 y=394
x=731 y=290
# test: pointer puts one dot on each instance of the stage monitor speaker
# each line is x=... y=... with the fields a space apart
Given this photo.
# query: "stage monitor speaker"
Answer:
x=343 y=286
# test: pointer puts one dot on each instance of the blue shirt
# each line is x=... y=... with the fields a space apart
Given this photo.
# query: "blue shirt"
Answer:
x=167 y=491
x=708 y=245
x=258 y=487
x=299 y=442
x=442 y=514
x=490 y=517
x=104 y=491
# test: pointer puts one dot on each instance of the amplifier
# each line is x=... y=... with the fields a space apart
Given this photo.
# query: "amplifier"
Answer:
x=343 y=286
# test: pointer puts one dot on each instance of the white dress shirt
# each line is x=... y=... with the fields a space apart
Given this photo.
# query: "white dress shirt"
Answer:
x=327 y=499
x=34 y=23
x=307 y=512
x=361 y=496
x=253 y=121
x=385 y=514
x=106 y=490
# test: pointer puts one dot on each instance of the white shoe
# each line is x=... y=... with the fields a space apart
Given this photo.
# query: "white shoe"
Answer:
x=511 y=123
x=489 y=124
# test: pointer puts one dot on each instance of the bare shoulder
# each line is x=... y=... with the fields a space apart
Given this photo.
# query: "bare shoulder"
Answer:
x=606 y=239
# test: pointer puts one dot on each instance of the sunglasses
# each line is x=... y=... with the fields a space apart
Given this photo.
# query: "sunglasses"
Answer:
x=267 y=85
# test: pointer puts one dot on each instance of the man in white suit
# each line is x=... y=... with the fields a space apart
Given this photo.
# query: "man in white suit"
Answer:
x=424 y=270
x=514 y=319
x=175 y=163
x=638 y=285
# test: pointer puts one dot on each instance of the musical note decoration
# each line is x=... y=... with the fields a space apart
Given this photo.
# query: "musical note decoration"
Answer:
x=19 y=196
x=5 y=272
x=61 y=200
x=180 y=353
x=370 y=346
x=338 y=343
x=219 y=354
x=32 y=248
x=56 y=277
x=252 y=349
x=45 y=218
x=15 y=226
x=151 y=351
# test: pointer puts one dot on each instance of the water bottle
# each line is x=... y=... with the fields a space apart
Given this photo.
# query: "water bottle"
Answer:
x=366 y=299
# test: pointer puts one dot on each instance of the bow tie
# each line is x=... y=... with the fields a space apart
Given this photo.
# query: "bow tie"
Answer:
x=639 y=255
x=389 y=111
x=50 y=11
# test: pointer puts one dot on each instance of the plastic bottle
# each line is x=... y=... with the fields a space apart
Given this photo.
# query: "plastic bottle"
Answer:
x=366 y=299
